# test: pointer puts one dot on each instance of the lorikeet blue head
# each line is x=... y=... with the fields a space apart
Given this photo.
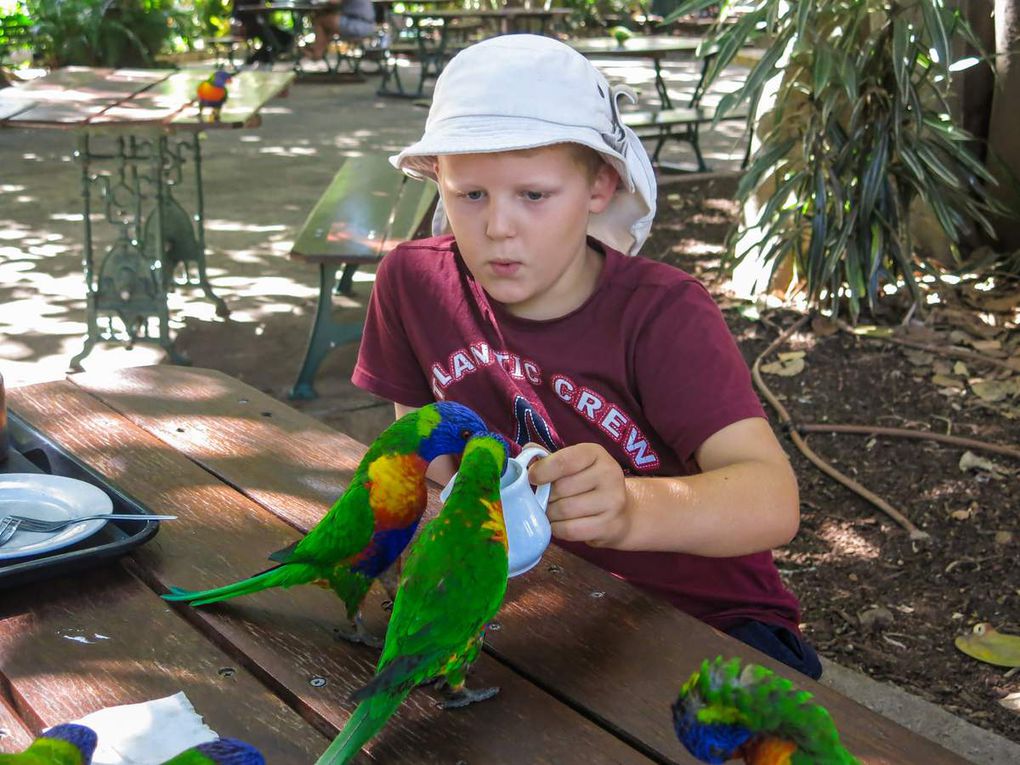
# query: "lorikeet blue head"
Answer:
x=221 y=77
x=445 y=428
x=78 y=737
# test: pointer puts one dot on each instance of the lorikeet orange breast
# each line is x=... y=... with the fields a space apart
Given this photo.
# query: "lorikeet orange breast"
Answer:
x=370 y=525
x=453 y=582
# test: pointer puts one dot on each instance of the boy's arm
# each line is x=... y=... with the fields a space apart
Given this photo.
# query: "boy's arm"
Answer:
x=442 y=468
x=744 y=501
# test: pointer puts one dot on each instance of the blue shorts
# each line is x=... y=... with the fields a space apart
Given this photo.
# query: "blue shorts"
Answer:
x=781 y=644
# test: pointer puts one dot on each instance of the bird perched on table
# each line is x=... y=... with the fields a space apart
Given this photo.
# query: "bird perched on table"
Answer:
x=222 y=751
x=67 y=744
x=369 y=526
x=212 y=92
x=452 y=584
x=725 y=712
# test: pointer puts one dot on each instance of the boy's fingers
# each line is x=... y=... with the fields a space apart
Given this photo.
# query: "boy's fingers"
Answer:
x=571 y=508
x=565 y=462
x=577 y=529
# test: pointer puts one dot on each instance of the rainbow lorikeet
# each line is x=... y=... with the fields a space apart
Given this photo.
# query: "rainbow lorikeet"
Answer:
x=369 y=526
x=67 y=744
x=452 y=583
x=725 y=712
x=222 y=751
x=212 y=92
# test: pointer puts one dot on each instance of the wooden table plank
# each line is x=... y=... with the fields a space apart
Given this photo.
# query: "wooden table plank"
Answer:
x=14 y=734
x=286 y=636
x=73 y=95
x=101 y=638
x=548 y=619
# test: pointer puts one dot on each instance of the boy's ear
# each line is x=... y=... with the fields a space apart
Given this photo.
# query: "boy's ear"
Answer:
x=603 y=186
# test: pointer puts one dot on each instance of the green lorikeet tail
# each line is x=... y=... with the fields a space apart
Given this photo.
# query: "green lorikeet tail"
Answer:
x=452 y=584
x=67 y=744
x=281 y=576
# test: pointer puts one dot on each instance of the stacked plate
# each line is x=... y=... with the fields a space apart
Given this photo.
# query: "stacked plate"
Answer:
x=49 y=498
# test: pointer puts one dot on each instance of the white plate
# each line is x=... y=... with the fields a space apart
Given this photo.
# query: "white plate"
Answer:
x=49 y=498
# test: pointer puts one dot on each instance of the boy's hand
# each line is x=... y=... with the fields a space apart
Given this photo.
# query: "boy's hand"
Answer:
x=588 y=502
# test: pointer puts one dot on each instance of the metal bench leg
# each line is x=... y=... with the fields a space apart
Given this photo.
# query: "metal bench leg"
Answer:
x=325 y=336
x=696 y=145
x=344 y=285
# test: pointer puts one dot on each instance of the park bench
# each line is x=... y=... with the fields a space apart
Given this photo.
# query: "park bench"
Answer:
x=421 y=46
x=368 y=208
x=684 y=123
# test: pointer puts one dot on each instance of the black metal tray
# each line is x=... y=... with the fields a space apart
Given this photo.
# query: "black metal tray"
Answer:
x=32 y=452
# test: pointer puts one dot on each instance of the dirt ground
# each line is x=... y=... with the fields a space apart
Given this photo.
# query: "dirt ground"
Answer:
x=872 y=599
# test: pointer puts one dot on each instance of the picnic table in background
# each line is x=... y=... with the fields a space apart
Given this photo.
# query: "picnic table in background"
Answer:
x=667 y=121
x=135 y=130
x=437 y=35
x=588 y=664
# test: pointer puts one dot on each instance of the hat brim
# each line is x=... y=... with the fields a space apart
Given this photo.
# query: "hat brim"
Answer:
x=496 y=133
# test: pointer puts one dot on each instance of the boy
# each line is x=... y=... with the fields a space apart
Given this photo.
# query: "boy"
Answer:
x=664 y=470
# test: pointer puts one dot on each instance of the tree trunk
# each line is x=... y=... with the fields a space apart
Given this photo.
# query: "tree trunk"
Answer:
x=1003 y=136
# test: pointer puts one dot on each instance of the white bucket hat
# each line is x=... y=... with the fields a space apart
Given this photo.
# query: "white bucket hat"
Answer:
x=525 y=91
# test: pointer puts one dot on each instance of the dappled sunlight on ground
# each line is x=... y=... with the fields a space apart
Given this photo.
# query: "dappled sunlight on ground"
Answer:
x=259 y=185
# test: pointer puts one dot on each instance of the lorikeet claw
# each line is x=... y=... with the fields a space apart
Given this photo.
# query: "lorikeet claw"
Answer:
x=466 y=696
x=359 y=634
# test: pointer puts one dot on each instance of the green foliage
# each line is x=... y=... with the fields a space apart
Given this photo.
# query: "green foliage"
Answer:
x=109 y=32
x=103 y=32
x=592 y=14
x=15 y=32
x=861 y=129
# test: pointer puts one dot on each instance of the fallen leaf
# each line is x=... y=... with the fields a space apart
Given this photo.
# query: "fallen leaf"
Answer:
x=945 y=381
x=877 y=618
x=918 y=358
x=959 y=368
x=785 y=367
x=971 y=461
x=1003 y=537
x=996 y=390
x=870 y=330
x=1011 y=702
x=987 y=346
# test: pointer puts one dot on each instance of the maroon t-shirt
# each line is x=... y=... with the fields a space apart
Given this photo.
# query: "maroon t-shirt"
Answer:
x=646 y=367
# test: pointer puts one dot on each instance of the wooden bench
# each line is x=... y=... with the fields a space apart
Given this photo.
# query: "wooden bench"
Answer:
x=684 y=123
x=368 y=209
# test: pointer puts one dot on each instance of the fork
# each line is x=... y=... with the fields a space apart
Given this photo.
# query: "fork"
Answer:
x=8 y=525
x=38 y=525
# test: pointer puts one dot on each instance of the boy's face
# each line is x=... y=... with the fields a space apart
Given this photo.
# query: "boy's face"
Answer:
x=520 y=219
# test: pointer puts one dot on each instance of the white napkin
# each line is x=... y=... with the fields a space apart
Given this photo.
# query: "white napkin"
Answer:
x=149 y=733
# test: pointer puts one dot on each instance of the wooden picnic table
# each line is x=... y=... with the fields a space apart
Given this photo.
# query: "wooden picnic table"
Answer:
x=588 y=664
x=135 y=131
x=654 y=47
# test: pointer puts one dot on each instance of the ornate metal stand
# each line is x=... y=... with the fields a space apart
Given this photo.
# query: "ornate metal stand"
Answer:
x=156 y=237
